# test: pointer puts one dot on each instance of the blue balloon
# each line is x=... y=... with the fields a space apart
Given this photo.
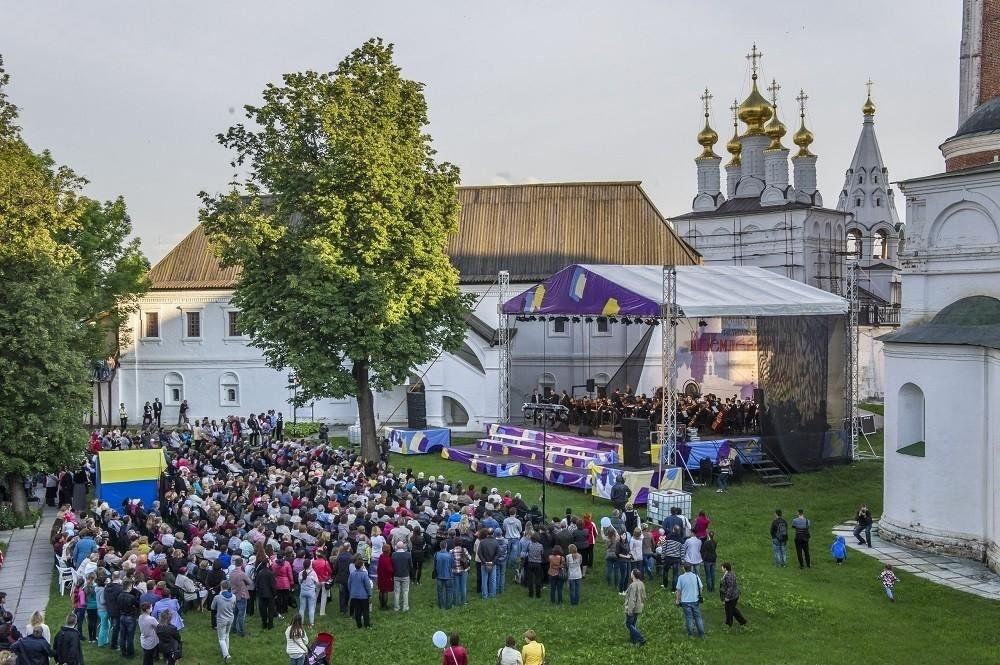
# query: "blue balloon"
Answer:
x=440 y=639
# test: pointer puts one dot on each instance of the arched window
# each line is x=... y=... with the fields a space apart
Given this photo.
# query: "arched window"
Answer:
x=601 y=379
x=880 y=245
x=229 y=389
x=861 y=178
x=910 y=421
x=854 y=242
x=173 y=388
x=875 y=179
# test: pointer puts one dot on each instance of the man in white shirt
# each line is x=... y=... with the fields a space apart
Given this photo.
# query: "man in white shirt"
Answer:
x=687 y=596
x=692 y=553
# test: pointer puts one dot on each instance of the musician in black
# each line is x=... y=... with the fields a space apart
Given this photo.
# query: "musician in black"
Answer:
x=535 y=399
x=157 y=410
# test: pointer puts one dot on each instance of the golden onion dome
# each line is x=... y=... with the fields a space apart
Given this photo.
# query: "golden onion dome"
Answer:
x=735 y=148
x=803 y=138
x=775 y=130
x=755 y=110
x=869 y=107
x=707 y=138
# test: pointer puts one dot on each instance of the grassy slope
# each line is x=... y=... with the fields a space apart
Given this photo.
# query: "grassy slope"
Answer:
x=823 y=615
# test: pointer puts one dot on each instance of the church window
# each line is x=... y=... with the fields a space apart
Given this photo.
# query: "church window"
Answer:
x=229 y=389
x=861 y=178
x=910 y=421
x=880 y=245
x=857 y=203
x=878 y=203
x=875 y=179
x=151 y=325
x=232 y=323
x=854 y=242
x=193 y=324
x=173 y=387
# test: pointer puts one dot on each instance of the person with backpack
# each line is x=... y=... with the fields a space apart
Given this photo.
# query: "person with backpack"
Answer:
x=69 y=643
x=779 y=539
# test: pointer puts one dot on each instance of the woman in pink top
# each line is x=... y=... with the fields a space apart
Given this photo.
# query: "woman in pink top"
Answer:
x=283 y=579
x=700 y=526
x=321 y=567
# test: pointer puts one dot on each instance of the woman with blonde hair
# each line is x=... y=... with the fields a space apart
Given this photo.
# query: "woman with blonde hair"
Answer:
x=533 y=651
x=38 y=620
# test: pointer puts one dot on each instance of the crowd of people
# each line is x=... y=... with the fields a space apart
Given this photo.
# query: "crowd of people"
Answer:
x=247 y=524
x=707 y=414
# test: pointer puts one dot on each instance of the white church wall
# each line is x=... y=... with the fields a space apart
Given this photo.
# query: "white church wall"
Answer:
x=935 y=501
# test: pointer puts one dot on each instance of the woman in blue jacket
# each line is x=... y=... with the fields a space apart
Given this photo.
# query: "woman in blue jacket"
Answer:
x=359 y=586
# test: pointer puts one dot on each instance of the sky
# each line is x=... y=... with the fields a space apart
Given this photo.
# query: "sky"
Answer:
x=131 y=94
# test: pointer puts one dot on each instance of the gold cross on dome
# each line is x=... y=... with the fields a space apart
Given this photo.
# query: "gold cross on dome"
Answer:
x=753 y=56
x=706 y=99
x=868 y=84
x=735 y=109
x=773 y=89
x=801 y=99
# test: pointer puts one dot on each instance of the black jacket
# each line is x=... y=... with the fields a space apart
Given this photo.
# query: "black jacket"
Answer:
x=264 y=580
x=127 y=604
x=32 y=650
x=111 y=592
x=170 y=639
x=68 y=646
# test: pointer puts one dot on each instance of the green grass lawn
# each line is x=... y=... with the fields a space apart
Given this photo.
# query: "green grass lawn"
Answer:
x=873 y=407
x=824 y=615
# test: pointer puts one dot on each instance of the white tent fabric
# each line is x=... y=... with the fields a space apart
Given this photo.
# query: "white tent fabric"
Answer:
x=731 y=291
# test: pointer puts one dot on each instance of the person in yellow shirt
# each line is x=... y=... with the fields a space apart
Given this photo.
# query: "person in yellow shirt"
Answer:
x=533 y=651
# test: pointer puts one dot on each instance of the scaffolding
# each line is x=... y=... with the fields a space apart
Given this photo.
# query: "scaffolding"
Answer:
x=852 y=374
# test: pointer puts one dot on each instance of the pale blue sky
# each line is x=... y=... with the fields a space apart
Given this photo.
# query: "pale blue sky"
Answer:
x=131 y=93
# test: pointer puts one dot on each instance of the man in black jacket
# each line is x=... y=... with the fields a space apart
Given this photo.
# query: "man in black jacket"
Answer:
x=68 y=643
x=127 y=603
x=111 y=592
x=264 y=580
x=33 y=649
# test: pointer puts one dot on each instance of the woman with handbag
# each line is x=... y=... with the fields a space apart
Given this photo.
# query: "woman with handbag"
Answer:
x=454 y=653
x=533 y=651
x=729 y=592
x=508 y=654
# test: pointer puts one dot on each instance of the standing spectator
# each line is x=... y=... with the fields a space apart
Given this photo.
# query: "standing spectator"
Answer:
x=111 y=591
x=283 y=580
x=170 y=638
x=157 y=411
x=635 y=548
x=385 y=577
x=779 y=539
x=673 y=551
x=620 y=494
x=709 y=555
x=93 y=619
x=123 y=416
x=240 y=583
x=128 y=606
x=839 y=549
x=38 y=619
x=360 y=588
x=688 y=597
x=182 y=414
x=533 y=651
x=308 y=589
x=725 y=473
x=279 y=428
x=692 y=552
x=512 y=533
x=888 y=579
x=623 y=556
x=574 y=574
x=610 y=558
x=324 y=573
x=443 y=564
x=419 y=543
x=635 y=602
x=341 y=572
x=69 y=643
x=533 y=563
x=460 y=573
x=556 y=569
x=454 y=653
x=401 y=567
x=801 y=525
x=700 y=526
x=508 y=654
x=488 y=551
x=32 y=649
x=864 y=518
x=224 y=606
x=729 y=592
x=264 y=581
x=79 y=602
x=296 y=642
x=148 y=641
x=147 y=416
x=104 y=624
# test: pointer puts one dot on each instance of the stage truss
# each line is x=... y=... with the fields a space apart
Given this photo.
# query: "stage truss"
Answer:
x=852 y=374
x=503 y=341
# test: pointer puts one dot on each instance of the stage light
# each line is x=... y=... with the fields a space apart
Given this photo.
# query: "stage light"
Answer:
x=531 y=318
x=589 y=319
x=702 y=323
x=612 y=320
x=576 y=319
x=627 y=321
x=673 y=322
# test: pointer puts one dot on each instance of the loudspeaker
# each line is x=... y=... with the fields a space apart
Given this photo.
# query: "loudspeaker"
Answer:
x=416 y=410
x=758 y=396
x=635 y=441
x=591 y=385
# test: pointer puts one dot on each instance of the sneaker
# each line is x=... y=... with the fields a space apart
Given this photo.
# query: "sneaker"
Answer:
x=718 y=491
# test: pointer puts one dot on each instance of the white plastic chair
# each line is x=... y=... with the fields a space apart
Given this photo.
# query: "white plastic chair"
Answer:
x=67 y=578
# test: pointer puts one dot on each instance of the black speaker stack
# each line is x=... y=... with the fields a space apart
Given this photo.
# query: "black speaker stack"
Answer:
x=416 y=410
x=635 y=442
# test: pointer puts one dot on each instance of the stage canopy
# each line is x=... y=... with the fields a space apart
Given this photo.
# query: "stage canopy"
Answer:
x=702 y=291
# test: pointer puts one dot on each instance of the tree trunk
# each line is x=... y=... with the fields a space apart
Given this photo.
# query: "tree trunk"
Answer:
x=366 y=412
x=18 y=500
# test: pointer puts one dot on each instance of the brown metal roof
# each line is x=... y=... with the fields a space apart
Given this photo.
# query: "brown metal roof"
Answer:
x=532 y=231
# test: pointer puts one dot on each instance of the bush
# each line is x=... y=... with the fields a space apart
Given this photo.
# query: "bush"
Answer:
x=11 y=520
x=300 y=430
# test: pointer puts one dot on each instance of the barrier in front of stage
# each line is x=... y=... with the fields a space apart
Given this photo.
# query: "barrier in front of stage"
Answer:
x=640 y=481
x=419 y=441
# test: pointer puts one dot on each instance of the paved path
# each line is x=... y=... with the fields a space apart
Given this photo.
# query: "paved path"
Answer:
x=950 y=571
x=27 y=572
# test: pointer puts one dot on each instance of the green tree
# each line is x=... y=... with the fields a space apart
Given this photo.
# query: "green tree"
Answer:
x=339 y=229
x=65 y=265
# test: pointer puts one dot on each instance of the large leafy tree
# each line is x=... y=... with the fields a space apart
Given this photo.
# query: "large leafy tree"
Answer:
x=339 y=229
x=64 y=267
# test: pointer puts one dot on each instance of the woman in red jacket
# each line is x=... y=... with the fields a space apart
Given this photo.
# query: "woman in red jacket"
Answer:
x=321 y=567
x=385 y=575
x=283 y=580
x=588 y=553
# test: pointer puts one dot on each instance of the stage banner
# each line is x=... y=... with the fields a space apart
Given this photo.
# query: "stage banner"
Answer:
x=419 y=441
x=603 y=479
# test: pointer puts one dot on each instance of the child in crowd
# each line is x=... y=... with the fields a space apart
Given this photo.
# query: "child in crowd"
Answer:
x=839 y=550
x=888 y=579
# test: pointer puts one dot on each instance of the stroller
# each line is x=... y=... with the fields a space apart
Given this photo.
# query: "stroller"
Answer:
x=321 y=650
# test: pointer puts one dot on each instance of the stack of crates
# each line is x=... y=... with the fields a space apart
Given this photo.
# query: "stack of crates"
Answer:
x=661 y=501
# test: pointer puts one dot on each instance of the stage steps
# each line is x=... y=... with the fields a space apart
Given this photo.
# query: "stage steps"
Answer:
x=769 y=471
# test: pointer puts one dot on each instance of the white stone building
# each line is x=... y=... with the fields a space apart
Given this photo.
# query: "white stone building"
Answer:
x=186 y=347
x=942 y=434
